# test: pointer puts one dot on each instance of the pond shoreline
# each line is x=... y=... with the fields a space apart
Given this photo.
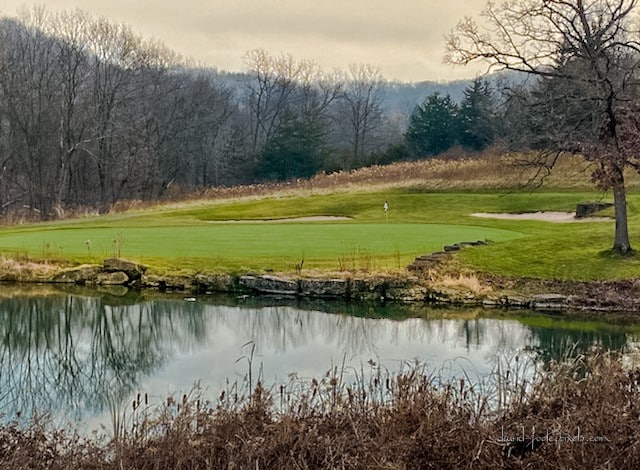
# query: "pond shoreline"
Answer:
x=622 y=296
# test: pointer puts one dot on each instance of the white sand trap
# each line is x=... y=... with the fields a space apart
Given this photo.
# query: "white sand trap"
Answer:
x=313 y=218
x=558 y=217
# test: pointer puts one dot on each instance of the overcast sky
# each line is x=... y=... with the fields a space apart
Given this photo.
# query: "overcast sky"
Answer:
x=404 y=38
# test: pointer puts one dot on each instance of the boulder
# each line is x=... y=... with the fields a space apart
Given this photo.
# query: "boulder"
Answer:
x=175 y=283
x=150 y=280
x=517 y=301
x=549 y=301
x=407 y=294
x=324 y=287
x=584 y=209
x=79 y=275
x=214 y=283
x=550 y=298
x=133 y=270
x=367 y=289
x=269 y=285
x=438 y=296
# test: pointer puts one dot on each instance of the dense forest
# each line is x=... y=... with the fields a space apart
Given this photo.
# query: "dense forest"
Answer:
x=91 y=114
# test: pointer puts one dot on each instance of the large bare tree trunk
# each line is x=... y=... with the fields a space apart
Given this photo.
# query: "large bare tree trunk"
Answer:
x=589 y=49
x=621 y=244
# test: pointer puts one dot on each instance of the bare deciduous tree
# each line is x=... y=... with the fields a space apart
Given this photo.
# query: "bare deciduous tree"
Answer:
x=360 y=111
x=585 y=56
x=269 y=91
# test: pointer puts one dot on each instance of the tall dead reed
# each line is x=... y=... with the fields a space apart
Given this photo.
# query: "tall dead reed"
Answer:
x=581 y=412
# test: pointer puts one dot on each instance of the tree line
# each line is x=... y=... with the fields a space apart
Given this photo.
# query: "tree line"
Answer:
x=439 y=123
x=91 y=113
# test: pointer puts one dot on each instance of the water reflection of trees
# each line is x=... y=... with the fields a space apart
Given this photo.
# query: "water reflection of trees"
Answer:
x=472 y=328
x=282 y=328
x=278 y=329
x=73 y=354
x=68 y=354
x=559 y=342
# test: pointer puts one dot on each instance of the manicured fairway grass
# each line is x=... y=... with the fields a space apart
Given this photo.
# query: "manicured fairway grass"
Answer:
x=258 y=246
x=196 y=238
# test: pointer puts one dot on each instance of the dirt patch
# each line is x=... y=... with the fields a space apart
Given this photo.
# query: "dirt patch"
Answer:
x=557 y=217
x=314 y=218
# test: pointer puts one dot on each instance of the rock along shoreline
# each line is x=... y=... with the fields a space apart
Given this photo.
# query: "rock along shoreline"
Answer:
x=614 y=296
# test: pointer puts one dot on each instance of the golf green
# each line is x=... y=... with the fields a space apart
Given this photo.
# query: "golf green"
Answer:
x=272 y=244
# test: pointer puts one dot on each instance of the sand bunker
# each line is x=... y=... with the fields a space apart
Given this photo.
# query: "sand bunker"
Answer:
x=558 y=217
x=314 y=218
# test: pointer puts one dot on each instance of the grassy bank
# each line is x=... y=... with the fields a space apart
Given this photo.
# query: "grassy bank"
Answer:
x=209 y=238
x=409 y=420
x=244 y=231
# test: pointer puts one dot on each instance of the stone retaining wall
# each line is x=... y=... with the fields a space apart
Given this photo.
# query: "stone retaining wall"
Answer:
x=379 y=288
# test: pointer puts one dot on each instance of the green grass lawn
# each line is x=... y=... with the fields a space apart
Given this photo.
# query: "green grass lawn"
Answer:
x=255 y=246
x=196 y=238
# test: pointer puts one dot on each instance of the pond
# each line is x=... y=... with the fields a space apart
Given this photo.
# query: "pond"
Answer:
x=82 y=354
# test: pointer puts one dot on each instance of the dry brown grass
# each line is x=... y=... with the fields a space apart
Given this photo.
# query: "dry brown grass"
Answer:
x=582 y=413
x=492 y=170
x=23 y=269
x=455 y=170
x=465 y=282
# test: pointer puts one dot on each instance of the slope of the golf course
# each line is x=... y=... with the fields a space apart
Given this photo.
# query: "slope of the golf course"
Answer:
x=208 y=236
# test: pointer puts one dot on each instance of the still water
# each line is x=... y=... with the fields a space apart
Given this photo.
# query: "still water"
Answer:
x=79 y=354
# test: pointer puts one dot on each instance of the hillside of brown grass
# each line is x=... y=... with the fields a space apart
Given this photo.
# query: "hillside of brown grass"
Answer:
x=455 y=171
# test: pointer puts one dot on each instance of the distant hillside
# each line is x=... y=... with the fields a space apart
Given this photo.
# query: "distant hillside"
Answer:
x=400 y=98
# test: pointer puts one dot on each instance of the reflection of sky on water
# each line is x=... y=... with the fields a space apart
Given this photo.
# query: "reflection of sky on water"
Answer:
x=309 y=343
x=73 y=356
